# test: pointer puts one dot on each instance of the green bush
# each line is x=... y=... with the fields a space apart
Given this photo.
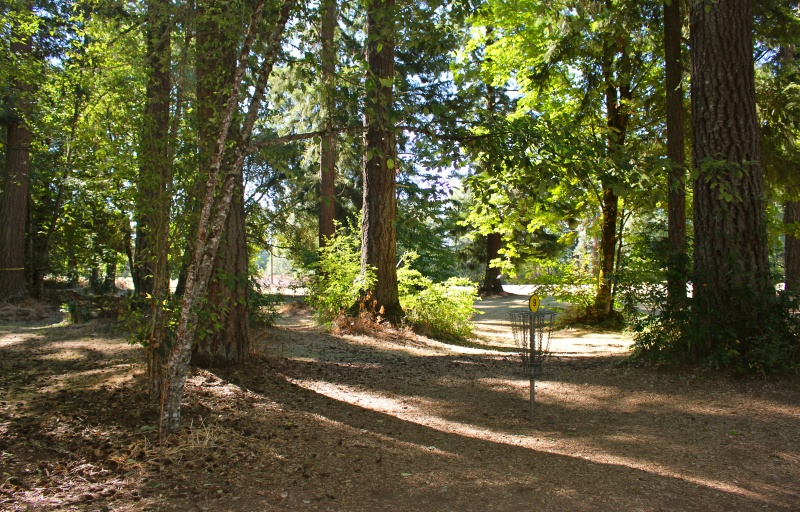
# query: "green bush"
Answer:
x=335 y=281
x=439 y=310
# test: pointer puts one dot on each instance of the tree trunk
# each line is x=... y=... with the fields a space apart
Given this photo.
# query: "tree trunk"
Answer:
x=110 y=281
x=677 y=265
x=618 y=96
x=229 y=341
x=731 y=280
x=492 y=285
x=494 y=241
x=215 y=206
x=604 y=299
x=150 y=270
x=327 y=161
x=378 y=243
x=225 y=312
x=14 y=199
x=791 y=250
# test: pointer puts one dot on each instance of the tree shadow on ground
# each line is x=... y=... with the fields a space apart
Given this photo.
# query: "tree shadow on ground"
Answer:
x=78 y=433
x=695 y=428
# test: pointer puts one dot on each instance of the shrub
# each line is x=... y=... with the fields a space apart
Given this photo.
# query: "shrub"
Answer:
x=335 y=281
x=439 y=310
x=768 y=338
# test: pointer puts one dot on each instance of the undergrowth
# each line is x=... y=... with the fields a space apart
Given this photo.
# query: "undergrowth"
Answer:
x=340 y=293
x=764 y=339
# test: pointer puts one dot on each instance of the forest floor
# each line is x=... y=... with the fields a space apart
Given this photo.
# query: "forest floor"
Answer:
x=387 y=422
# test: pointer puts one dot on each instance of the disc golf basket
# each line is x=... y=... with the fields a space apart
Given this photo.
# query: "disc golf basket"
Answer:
x=532 y=338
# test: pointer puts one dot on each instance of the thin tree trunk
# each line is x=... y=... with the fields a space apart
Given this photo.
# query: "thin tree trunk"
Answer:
x=215 y=208
x=604 y=300
x=327 y=161
x=491 y=279
x=791 y=250
x=618 y=95
x=620 y=245
x=150 y=270
x=14 y=199
x=732 y=281
x=677 y=265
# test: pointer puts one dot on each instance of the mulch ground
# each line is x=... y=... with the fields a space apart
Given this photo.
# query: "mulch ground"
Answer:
x=389 y=421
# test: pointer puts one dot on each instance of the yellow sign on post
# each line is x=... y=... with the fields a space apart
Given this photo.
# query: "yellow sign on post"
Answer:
x=533 y=303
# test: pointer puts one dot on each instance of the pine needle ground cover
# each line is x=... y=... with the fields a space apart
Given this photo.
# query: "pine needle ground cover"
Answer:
x=390 y=421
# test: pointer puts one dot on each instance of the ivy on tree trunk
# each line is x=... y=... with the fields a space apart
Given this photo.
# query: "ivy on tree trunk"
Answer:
x=150 y=268
x=216 y=204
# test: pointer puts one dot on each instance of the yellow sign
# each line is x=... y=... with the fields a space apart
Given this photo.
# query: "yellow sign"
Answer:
x=533 y=303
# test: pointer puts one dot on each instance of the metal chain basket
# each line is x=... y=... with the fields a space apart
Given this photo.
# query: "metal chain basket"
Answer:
x=532 y=337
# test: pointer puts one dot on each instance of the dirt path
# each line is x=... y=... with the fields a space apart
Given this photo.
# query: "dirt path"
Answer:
x=493 y=328
x=386 y=422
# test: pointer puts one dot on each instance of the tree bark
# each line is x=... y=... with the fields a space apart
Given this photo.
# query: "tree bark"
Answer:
x=791 y=250
x=150 y=269
x=378 y=243
x=327 y=161
x=604 y=299
x=229 y=341
x=14 y=199
x=731 y=280
x=491 y=279
x=225 y=321
x=677 y=265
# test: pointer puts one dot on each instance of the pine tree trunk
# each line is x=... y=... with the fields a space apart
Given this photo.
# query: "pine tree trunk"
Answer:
x=791 y=219
x=150 y=270
x=229 y=341
x=226 y=312
x=494 y=241
x=731 y=281
x=677 y=265
x=14 y=198
x=491 y=280
x=379 y=244
x=327 y=161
